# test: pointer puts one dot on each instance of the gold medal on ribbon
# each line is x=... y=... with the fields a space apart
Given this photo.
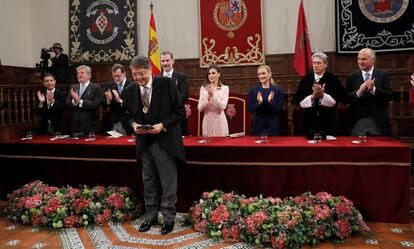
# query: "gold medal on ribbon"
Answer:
x=145 y=109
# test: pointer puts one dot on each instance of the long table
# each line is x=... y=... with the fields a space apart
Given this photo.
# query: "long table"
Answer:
x=374 y=175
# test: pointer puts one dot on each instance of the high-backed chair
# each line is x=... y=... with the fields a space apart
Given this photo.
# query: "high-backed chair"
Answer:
x=193 y=117
x=237 y=115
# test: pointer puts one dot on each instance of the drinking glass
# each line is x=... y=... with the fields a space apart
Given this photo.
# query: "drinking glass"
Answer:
x=91 y=137
x=132 y=138
x=263 y=138
x=317 y=137
x=29 y=135
x=206 y=139
x=362 y=138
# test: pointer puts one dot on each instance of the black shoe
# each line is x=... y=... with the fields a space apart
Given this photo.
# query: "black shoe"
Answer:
x=167 y=227
x=146 y=225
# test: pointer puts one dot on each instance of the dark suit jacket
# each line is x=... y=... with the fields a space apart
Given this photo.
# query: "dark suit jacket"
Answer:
x=83 y=118
x=60 y=68
x=368 y=104
x=180 y=80
x=266 y=115
x=116 y=110
x=54 y=113
x=166 y=107
x=317 y=117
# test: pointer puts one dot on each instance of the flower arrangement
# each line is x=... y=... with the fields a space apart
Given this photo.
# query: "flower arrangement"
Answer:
x=42 y=205
x=289 y=223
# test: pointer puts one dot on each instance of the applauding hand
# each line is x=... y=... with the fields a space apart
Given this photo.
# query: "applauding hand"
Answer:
x=50 y=98
x=271 y=96
x=116 y=95
x=75 y=96
x=370 y=84
x=108 y=95
x=41 y=97
x=318 y=90
x=259 y=97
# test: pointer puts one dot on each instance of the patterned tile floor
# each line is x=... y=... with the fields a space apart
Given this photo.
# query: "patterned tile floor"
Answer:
x=123 y=236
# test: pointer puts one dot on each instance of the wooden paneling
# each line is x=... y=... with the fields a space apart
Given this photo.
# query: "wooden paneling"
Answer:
x=16 y=75
x=239 y=79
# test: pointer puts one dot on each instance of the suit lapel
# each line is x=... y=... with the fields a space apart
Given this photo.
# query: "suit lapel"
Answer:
x=77 y=88
x=374 y=74
x=84 y=91
x=155 y=98
x=139 y=97
x=359 y=80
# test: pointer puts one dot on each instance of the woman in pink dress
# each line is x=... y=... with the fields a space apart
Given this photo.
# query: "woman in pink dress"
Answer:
x=213 y=101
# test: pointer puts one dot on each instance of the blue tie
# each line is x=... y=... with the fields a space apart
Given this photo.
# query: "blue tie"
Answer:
x=367 y=76
x=120 y=87
x=82 y=89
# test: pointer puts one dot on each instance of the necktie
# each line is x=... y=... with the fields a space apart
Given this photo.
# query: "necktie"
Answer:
x=120 y=87
x=82 y=89
x=47 y=100
x=367 y=76
x=145 y=96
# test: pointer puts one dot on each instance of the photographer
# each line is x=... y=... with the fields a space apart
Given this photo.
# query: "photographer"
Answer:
x=60 y=64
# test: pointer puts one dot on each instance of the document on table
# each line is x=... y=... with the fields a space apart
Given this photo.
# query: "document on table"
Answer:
x=114 y=134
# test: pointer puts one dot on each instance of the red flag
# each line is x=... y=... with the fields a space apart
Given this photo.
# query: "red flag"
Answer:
x=302 y=61
x=153 y=48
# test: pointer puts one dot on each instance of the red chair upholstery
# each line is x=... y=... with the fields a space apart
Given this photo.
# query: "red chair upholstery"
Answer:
x=237 y=115
x=193 y=117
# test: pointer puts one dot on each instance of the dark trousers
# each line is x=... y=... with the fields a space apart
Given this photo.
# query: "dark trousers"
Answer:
x=159 y=175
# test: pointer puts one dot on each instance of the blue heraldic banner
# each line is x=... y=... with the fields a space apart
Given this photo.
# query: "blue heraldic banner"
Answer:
x=383 y=25
x=102 y=31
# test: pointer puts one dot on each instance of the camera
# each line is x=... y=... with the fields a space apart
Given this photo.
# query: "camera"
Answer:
x=44 y=53
x=42 y=66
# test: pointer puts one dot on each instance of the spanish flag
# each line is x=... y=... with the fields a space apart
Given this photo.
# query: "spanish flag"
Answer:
x=153 y=48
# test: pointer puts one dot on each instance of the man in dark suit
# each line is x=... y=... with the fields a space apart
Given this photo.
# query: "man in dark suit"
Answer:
x=113 y=98
x=156 y=103
x=318 y=94
x=83 y=102
x=369 y=92
x=60 y=64
x=180 y=80
x=51 y=106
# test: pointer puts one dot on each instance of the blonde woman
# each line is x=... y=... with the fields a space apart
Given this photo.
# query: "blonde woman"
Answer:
x=213 y=101
x=265 y=103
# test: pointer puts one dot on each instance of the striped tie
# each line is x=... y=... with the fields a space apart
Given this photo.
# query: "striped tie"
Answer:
x=367 y=76
x=146 y=95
